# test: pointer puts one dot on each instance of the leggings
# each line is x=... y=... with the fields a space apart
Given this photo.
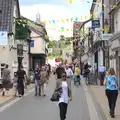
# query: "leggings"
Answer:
x=63 y=110
x=112 y=98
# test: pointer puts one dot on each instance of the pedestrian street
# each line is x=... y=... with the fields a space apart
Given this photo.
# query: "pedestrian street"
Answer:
x=31 y=107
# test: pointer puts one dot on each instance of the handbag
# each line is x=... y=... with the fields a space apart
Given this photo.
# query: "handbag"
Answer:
x=56 y=95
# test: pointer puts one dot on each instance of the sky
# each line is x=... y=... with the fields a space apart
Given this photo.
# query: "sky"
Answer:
x=55 y=10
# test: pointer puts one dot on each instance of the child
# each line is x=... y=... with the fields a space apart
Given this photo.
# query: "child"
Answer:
x=15 y=84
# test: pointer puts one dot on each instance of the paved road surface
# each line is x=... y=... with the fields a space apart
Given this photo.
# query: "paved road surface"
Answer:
x=40 y=108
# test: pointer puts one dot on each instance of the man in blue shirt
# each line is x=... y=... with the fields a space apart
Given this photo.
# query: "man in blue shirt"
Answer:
x=37 y=80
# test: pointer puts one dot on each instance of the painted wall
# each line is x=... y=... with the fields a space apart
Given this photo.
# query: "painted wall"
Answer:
x=39 y=44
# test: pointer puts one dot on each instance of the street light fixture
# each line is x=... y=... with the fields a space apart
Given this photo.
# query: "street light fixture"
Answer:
x=0 y=11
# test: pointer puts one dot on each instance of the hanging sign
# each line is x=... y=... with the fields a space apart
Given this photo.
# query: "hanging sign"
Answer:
x=32 y=43
x=95 y=23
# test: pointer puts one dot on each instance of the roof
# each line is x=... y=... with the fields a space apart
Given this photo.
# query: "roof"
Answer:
x=38 y=28
x=6 y=15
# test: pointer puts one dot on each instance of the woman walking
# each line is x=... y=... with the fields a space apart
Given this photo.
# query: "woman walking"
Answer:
x=111 y=90
x=43 y=80
x=77 y=74
x=21 y=74
x=66 y=95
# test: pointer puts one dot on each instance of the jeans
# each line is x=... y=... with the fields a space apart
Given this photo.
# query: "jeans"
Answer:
x=36 y=87
x=63 y=110
x=112 y=98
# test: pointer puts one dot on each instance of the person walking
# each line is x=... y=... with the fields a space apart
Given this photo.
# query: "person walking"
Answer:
x=111 y=90
x=48 y=70
x=43 y=81
x=66 y=95
x=6 y=79
x=101 y=74
x=59 y=71
x=37 y=81
x=77 y=74
x=69 y=72
x=21 y=74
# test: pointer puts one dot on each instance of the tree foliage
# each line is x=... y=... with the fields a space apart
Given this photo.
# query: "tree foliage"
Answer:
x=51 y=44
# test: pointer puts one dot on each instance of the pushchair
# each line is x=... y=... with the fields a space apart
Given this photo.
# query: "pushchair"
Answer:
x=77 y=80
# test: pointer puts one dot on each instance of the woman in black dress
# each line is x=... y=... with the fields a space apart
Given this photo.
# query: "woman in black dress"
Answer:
x=21 y=78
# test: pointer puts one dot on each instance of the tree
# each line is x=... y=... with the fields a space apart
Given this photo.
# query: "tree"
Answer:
x=51 y=44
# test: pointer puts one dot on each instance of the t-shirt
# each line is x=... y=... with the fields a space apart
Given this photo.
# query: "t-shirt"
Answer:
x=77 y=71
x=111 y=82
x=21 y=74
x=59 y=72
x=37 y=74
x=64 y=97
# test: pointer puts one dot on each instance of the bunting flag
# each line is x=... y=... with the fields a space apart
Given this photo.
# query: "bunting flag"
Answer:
x=70 y=1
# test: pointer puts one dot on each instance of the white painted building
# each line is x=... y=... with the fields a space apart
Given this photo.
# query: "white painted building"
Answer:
x=115 y=38
x=8 y=51
x=98 y=55
x=39 y=46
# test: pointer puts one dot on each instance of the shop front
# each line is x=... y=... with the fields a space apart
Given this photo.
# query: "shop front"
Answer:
x=115 y=54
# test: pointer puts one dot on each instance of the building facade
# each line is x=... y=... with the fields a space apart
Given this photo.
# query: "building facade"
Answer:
x=114 y=47
x=14 y=50
x=38 y=48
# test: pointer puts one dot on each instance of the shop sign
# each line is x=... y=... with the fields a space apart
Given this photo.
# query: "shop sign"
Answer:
x=19 y=49
x=49 y=50
x=95 y=23
x=106 y=36
x=32 y=43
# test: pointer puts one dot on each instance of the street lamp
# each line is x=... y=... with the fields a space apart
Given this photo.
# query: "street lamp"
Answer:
x=0 y=11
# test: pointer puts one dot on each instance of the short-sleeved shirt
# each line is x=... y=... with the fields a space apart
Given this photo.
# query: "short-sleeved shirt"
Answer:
x=59 y=72
x=111 y=82
x=37 y=74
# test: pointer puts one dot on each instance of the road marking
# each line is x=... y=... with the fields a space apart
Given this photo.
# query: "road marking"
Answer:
x=91 y=107
x=15 y=100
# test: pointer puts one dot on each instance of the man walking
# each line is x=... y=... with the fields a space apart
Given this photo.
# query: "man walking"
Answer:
x=69 y=72
x=101 y=74
x=37 y=80
x=59 y=71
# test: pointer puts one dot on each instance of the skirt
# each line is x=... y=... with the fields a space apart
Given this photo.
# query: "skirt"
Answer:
x=7 y=85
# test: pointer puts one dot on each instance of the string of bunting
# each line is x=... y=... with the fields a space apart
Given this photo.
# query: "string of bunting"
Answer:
x=66 y=20
x=107 y=5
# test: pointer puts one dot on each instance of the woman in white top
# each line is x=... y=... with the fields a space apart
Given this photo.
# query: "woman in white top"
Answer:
x=66 y=95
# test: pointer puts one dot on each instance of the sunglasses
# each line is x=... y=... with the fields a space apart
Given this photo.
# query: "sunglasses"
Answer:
x=64 y=76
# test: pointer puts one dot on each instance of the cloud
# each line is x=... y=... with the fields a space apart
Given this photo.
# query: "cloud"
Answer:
x=55 y=12
x=47 y=12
